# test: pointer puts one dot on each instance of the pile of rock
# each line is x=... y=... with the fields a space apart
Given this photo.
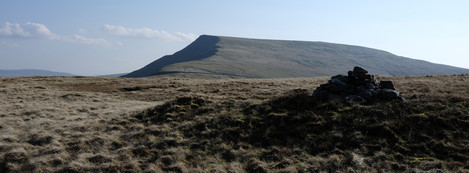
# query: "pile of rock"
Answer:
x=358 y=87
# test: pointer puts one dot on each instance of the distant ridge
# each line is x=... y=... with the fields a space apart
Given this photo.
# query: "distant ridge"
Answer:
x=258 y=58
x=31 y=72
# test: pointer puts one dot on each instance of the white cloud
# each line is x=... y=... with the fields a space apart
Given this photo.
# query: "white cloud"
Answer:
x=147 y=33
x=28 y=30
x=187 y=36
x=85 y=40
x=8 y=44
x=40 y=31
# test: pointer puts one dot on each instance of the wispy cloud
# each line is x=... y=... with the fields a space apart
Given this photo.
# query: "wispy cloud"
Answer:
x=119 y=43
x=40 y=31
x=187 y=36
x=147 y=33
x=86 y=40
x=81 y=30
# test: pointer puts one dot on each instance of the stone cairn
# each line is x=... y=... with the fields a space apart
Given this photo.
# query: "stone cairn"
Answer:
x=358 y=87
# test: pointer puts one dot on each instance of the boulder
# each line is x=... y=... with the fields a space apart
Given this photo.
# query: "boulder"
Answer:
x=388 y=94
x=341 y=78
x=386 y=85
x=360 y=70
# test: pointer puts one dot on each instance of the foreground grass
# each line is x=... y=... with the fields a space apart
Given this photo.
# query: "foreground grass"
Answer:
x=188 y=125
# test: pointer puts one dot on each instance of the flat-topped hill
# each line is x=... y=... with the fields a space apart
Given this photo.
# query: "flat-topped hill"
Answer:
x=258 y=58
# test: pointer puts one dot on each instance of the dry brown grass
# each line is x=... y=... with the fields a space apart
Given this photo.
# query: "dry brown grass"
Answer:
x=86 y=124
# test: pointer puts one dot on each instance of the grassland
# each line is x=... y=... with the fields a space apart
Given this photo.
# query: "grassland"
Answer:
x=168 y=124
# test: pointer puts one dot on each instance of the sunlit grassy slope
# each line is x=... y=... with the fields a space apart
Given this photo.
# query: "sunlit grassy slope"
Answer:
x=85 y=124
x=256 y=58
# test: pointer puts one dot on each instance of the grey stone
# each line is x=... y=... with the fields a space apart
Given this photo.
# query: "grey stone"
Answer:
x=370 y=86
x=339 y=88
x=387 y=85
x=389 y=94
x=362 y=88
x=374 y=93
x=373 y=80
x=337 y=81
x=367 y=95
x=355 y=100
x=400 y=98
x=326 y=86
x=342 y=78
x=359 y=70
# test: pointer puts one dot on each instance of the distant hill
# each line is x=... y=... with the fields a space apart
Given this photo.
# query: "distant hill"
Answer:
x=257 y=58
x=31 y=72
x=113 y=75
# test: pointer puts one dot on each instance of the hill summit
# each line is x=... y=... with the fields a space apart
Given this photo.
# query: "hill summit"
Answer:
x=259 y=58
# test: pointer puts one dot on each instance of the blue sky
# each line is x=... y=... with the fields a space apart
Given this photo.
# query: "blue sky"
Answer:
x=90 y=37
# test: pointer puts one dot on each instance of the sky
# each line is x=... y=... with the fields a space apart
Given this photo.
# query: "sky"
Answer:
x=99 y=37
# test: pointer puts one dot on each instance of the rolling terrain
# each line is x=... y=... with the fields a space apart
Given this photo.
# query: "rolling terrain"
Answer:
x=218 y=56
x=31 y=72
x=166 y=124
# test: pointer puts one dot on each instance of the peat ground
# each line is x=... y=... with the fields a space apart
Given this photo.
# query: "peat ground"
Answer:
x=167 y=124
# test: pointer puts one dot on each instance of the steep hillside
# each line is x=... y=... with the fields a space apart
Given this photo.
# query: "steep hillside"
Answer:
x=31 y=72
x=256 y=58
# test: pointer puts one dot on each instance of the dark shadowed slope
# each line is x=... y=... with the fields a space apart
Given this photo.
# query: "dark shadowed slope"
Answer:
x=31 y=72
x=203 y=47
x=256 y=58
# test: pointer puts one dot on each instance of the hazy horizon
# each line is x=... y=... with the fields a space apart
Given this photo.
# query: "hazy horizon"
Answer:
x=109 y=37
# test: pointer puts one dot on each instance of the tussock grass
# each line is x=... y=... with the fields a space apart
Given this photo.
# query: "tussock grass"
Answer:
x=70 y=124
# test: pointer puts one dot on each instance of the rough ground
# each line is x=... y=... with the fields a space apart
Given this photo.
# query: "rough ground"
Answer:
x=85 y=124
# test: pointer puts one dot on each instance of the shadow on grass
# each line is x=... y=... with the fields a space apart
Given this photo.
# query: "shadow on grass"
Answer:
x=396 y=135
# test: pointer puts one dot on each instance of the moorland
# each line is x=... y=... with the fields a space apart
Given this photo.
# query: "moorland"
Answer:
x=177 y=124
